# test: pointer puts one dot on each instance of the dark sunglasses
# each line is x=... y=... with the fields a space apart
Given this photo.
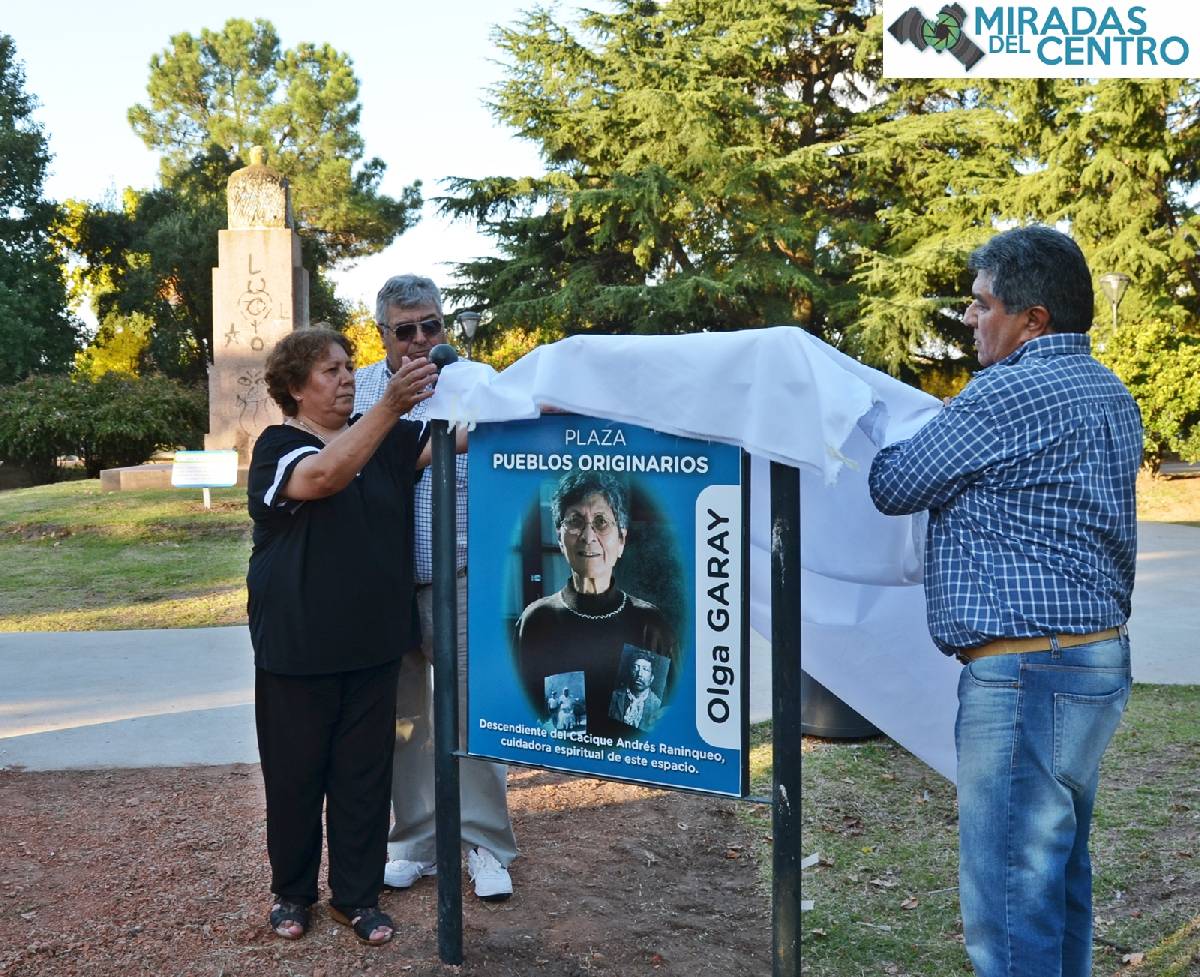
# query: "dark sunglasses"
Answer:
x=405 y=331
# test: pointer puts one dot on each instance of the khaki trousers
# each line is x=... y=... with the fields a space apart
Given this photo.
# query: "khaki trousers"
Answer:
x=483 y=786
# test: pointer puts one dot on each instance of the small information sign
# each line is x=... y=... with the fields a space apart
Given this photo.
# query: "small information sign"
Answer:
x=606 y=609
x=204 y=469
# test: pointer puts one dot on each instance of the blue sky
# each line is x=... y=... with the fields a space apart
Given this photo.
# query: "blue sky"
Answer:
x=423 y=67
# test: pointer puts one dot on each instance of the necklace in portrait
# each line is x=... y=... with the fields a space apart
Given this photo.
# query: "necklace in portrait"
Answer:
x=598 y=617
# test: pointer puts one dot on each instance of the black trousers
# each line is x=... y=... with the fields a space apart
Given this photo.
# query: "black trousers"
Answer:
x=327 y=740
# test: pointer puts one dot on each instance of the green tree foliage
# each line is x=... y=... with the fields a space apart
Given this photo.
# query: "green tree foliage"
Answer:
x=111 y=422
x=729 y=164
x=36 y=331
x=1112 y=161
x=1160 y=364
x=936 y=160
x=153 y=255
x=219 y=94
x=121 y=345
x=1120 y=162
x=363 y=334
x=689 y=184
x=210 y=99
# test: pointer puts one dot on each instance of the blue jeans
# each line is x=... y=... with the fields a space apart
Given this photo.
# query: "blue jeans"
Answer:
x=1030 y=733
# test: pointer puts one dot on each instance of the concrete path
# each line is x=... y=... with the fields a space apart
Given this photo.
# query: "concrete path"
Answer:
x=175 y=697
x=127 y=698
x=1164 y=629
x=151 y=698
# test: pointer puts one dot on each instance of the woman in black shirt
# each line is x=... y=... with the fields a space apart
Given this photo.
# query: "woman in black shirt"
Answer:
x=331 y=614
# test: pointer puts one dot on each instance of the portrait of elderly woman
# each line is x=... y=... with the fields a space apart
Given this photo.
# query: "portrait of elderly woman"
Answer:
x=331 y=613
x=586 y=625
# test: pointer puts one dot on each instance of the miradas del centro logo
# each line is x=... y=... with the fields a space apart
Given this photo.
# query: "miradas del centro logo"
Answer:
x=943 y=33
x=1040 y=39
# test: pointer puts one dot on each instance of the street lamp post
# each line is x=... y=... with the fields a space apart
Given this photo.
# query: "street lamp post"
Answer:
x=467 y=323
x=1113 y=285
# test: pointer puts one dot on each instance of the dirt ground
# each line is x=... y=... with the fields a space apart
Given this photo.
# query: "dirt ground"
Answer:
x=162 y=872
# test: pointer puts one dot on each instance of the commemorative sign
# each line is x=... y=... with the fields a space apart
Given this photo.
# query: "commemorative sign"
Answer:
x=606 y=609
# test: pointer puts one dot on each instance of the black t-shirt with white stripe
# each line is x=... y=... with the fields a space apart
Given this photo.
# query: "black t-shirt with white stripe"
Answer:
x=330 y=580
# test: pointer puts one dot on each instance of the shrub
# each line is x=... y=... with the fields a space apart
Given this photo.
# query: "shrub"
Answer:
x=1161 y=367
x=114 y=421
x=130 y=418
x=40 y=419
x=512 y=344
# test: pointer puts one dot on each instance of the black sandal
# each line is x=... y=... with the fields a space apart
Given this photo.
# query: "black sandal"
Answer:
x=286 y=911
x=364 y=920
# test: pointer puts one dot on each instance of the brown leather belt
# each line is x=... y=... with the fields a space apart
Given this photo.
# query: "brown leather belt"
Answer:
x=1017 y=646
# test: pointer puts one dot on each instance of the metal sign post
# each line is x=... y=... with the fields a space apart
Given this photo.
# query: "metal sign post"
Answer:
x=785 y=694
x=501 y=707
x=445 y=685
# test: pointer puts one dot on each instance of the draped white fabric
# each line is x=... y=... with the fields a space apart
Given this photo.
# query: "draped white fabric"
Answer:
x=783 y=396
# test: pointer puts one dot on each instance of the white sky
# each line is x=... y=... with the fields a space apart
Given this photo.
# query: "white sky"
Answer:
x=423 y=70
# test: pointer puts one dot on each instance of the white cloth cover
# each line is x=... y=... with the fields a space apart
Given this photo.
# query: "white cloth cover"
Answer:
x=783 y=396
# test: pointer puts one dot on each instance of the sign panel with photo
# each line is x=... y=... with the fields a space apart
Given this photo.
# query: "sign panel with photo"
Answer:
x=606 y=608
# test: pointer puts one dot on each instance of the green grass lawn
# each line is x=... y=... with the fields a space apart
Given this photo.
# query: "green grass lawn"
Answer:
x=885 y=891
x=75 y=558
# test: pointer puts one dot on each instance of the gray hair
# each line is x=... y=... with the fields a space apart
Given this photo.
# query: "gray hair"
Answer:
x=406 y=292
x=1037 y=265
x=576 y=486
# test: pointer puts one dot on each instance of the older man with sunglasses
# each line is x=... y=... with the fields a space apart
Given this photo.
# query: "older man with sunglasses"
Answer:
x=408 y=312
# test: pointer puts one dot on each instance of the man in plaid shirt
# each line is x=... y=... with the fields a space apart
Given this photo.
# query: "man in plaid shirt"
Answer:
x=1028 y=477
x=408 y=312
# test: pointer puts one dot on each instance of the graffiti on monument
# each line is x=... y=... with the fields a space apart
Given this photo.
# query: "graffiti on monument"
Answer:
x=252 y=398
x=255 y=304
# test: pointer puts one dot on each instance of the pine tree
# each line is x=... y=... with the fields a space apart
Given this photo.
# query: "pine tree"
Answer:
x=37 y=333
x=219 y=94
x=212 y=98
x=687 y=182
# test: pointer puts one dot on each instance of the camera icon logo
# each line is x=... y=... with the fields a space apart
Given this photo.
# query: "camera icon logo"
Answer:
x=943 y=33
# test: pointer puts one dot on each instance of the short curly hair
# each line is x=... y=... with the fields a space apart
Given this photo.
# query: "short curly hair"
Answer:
x=576 y=486
x=292 y=360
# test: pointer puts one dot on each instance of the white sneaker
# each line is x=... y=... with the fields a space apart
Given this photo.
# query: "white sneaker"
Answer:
x=492 y=881
x=401 y=873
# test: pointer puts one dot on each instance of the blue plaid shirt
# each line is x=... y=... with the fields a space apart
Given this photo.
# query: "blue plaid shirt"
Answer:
x=1028 y=476
x=369 y=384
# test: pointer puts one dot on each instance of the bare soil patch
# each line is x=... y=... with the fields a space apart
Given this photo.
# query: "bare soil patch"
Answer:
x=162 y=872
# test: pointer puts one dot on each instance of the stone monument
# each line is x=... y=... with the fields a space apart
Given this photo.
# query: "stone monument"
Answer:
x=260 y=293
